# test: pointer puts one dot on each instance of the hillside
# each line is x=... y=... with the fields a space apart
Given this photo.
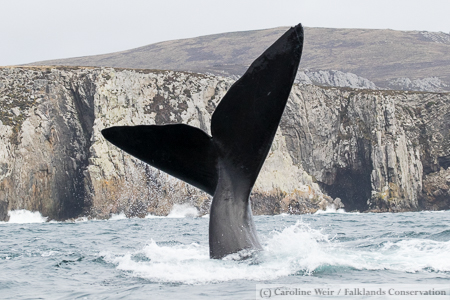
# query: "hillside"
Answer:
x=389 y=58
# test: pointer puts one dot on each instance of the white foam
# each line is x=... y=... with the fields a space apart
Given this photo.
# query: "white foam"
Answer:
x=404 y=256
x=150 y=216
x=296 y=249
x=22 y=216
x=49 y=253
x=415 y=255
x=330 y=210
x=120 y=216
x=191 y=264
x=183 y=211
x=282 y=215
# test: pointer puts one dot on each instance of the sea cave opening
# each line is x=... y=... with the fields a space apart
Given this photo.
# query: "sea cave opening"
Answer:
x=352 y=187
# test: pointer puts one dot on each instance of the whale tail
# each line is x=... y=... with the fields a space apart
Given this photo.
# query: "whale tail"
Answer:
x=243 y=125
x=227 y=164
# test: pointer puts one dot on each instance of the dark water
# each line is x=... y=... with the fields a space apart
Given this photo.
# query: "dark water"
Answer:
x=168 y=258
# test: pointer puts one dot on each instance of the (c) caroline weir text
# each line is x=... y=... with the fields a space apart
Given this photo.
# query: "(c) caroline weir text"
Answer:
x=353 y=291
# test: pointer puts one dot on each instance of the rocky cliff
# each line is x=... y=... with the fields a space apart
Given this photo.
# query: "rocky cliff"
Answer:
x=375 y=150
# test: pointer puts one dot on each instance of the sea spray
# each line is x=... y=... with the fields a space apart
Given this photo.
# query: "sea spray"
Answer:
x=23 y=216
x=297 y=248
x=120 y=216
x=331 y=210
x=182 y=211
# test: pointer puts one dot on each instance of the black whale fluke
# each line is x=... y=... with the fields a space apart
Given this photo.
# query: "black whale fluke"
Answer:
x=180 y=150
x=227 y=164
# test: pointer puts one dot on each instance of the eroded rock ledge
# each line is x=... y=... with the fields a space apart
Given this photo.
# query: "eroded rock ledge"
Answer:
x=372 y=150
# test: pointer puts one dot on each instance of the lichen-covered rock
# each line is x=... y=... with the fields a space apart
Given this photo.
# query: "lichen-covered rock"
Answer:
x=436 y=191
x=43 y=148
x=429 y=84
x=54 y=159
x=4 y=211
x=369 y=148
x=372 y=149
x=334 y=78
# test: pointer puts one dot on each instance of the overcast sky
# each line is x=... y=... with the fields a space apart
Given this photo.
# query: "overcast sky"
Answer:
x=34 y=30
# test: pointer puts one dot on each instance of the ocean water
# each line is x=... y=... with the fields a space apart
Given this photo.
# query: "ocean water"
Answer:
x=168 y=257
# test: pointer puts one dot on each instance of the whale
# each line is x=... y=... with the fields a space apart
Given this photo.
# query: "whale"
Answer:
x=226 y=163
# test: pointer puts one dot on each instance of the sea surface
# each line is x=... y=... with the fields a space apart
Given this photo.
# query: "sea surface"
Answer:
x=168 y=257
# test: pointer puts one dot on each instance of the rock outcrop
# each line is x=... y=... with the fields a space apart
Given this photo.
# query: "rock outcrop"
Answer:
x=334 y=78
x=429 y=84
x=375 y=150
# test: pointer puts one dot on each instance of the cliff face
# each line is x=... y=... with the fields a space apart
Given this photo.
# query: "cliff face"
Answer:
x=375 y=150
x=372 y=148
x=44 y=135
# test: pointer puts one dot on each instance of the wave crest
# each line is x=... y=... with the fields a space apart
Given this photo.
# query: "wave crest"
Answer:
x=23 y=216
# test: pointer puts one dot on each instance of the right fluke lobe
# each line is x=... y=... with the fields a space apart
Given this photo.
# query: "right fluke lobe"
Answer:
x=245 y=121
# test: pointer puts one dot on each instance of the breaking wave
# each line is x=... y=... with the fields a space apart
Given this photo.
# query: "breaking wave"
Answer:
x=183 y=211
x=23 y=216
x=296 y=250
x=330 y=210
x=120 y=216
